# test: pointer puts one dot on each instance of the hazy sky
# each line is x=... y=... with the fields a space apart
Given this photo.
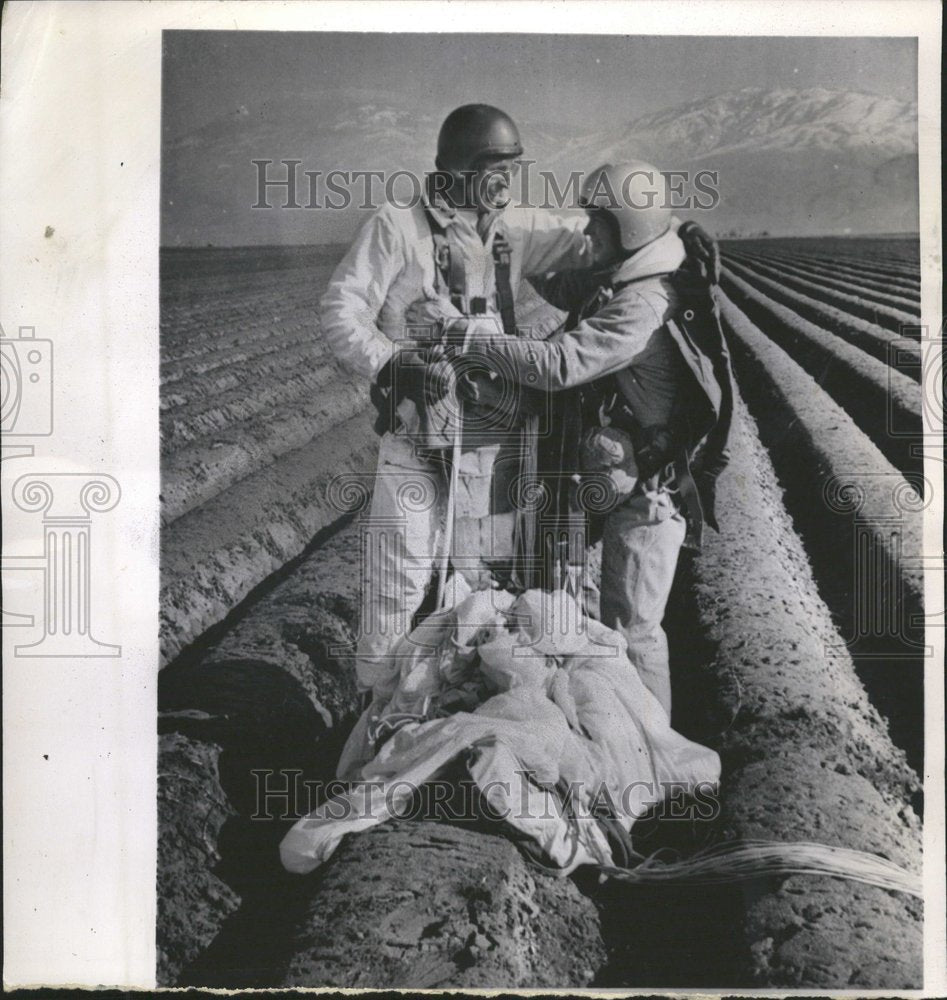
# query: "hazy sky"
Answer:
x=232 y=96
x=598 y=79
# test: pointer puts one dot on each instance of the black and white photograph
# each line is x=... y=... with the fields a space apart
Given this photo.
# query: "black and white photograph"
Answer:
x=541 y=493
x=547 y=479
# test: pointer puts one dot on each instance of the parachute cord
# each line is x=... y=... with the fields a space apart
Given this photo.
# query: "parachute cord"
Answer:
x=748 y=860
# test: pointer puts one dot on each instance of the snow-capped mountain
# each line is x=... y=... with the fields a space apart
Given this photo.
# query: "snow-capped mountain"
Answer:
x=786 y=161
x=754 y=120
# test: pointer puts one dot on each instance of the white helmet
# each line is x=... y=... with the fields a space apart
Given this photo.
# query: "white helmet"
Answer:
x=635 y=194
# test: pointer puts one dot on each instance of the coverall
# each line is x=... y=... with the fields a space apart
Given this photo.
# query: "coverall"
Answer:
x=390 y=265
x=626 y=337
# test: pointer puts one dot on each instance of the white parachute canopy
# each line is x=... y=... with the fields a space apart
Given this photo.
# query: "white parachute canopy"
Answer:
x=546 y=697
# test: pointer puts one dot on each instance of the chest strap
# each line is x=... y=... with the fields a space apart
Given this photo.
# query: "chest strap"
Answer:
x=501 y=277
x=450 y=267
x=452 y=271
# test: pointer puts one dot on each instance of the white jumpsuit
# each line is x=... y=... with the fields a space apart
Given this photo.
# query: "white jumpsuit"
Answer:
x=389 y=266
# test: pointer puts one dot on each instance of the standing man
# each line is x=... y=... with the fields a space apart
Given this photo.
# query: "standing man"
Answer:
x=463 y=250
x=667 y=387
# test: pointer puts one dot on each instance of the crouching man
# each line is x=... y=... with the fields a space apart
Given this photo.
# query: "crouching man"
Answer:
x=642 y=326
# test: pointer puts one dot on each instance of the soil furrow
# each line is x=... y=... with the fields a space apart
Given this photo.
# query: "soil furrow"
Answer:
x=884 y=403
x=850 y=265
x=202 y=391
x=182 y=428
x=174 y=373
x=760 y=673
x=881 y=344
x=213 y=556
x=859 y=518
x=196 y=474
x=196 y=354
x=822 y=276
x=886 y=317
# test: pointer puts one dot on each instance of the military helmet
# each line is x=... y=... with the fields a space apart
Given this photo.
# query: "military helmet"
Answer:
x=472 y=132
x=635 y=196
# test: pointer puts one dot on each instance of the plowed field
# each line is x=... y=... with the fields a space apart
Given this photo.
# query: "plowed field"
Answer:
x=796 y=646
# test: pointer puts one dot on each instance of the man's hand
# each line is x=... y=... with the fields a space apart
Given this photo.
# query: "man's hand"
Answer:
x=440 y=380
x=432 y=312
x=422 y=375
x=654 y=449
x=701 y=247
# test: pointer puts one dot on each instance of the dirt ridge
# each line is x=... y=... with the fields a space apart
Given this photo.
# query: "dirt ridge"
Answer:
x=761 y=672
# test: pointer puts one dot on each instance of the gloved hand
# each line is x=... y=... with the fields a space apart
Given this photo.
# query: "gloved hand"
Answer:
x=654 y=449
x=701 y=247
x=422 y=375
x=446 y=323
x=440 y=380
x=432 y=312
x=610 y=450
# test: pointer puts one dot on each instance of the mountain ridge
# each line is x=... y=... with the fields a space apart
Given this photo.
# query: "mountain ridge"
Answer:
x=788 y=161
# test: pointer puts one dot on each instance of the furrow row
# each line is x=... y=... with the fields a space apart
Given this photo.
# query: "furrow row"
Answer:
x=879 y=343
x=236 y=349
x=200 y=391
x=853 y=265
x=215 y=554
x=861 y=521
x=883 y=317
x=251 y=397
x=882 y=401
x=196 y=474
x=823 y=276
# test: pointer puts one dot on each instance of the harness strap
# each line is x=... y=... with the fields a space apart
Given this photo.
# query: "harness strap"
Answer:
x=697 y=493
x=501 y=268
x=450 y=266
x=716 y=450
x=689 y=495
x=452 y=270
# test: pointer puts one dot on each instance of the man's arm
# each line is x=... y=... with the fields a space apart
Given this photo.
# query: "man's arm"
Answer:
x=549 y=242
x=600 y=345
x=356 y=293
x=554 y=242
x=568 y=289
